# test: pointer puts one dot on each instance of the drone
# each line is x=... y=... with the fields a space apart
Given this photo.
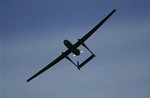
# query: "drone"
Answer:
x=73 y=48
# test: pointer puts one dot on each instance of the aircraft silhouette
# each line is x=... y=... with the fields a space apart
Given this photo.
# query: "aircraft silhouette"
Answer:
x=72 y=48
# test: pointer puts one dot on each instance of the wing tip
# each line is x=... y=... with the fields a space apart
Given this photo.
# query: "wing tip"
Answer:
x=28 y=80
x=114 y=10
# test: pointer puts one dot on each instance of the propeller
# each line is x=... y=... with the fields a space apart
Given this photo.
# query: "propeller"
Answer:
x=80 y=52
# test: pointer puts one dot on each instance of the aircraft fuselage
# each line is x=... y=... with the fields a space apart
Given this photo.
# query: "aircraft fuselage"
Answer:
x=71 y=47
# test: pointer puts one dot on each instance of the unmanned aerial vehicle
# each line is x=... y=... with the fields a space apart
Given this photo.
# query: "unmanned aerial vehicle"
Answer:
x=73 y=48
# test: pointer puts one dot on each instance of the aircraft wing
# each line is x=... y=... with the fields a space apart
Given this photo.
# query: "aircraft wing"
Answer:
x=59 y=58
x=84 y=38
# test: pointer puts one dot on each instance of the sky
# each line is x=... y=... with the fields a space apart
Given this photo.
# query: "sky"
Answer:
x=32 y=34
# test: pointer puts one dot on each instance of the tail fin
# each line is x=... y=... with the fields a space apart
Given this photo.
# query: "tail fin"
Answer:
x=78 y=65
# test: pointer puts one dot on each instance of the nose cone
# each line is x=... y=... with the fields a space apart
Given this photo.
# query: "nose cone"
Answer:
x=65 y=41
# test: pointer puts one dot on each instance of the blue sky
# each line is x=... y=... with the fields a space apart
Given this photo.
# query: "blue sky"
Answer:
x=32 y=34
